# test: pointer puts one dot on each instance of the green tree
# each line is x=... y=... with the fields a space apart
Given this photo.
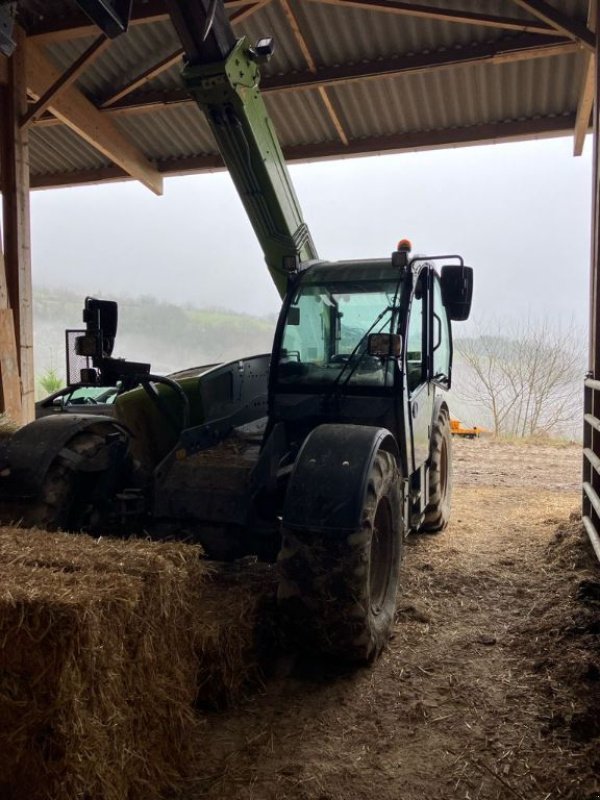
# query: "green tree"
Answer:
x=50 y=381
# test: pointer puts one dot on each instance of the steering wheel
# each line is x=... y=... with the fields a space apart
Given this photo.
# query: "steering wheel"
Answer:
x=340 y=358
x=369 y=364
x=89 y=401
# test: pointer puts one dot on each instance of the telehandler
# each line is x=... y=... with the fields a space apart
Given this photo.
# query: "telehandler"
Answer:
x=323 y=454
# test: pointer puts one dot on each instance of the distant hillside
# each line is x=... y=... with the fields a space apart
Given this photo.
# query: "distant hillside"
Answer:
x=169 y=336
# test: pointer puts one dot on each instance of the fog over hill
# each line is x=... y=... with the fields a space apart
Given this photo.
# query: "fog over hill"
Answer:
x=173 y=337
x=169 y=336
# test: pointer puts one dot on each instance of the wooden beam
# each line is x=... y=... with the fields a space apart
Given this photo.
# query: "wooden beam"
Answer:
x=446 y=15
x=492 y=132
x=170 y=60
x=586 y=90
x=523 y=48
x=14 y=166
x=594 y=325
x=567 y=26
x=80 y=115
x=333 y=115
x=67 y=79
x=246 y=11
x=3 y=69
x=10 y=380
x=54 y=28
x=312 y=66
x=586 y=103
x=147 y=75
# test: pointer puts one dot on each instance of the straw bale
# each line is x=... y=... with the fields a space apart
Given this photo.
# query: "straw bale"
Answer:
x=236 y=633
x=7 y=427
x=98 y=671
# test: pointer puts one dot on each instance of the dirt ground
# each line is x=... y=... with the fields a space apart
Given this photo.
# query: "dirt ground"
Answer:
x=490 y=687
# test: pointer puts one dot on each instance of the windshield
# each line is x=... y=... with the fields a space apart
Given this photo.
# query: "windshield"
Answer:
x=327 y=329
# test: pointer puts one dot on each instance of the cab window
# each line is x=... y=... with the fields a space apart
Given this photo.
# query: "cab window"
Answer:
x=415 y=344
x=326 y=334
x=441 y=336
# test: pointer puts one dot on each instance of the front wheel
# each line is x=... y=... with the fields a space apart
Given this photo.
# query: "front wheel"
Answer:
x=337 y=591
x=437 y=513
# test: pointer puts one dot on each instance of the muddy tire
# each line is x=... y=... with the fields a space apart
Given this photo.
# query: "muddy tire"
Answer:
x=337 y=592
x=66 y=499
x=437 y=513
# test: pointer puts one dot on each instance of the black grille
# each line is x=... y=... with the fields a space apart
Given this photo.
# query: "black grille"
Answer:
x=75 y=363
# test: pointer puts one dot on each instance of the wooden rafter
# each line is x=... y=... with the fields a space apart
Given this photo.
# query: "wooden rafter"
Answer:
x=524 y=48
x=67 y=79
x=585 y=104
x=246 y=11
x=147 y=75
x=62 y=29
x=173 y=58
x=17 y=326
x=74 y=109
x=586 y=90
x=567 y=26
x=423 y=140
x=312 y=66
x=446 y=15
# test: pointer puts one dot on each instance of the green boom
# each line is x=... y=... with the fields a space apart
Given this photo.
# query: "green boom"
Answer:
x=228 y=93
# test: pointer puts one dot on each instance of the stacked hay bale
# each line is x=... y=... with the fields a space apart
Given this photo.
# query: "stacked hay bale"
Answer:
x=237 y=636
x=98 y=666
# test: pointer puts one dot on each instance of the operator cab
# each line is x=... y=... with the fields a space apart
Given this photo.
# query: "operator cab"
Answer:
x=364 y=324
x=331 y=314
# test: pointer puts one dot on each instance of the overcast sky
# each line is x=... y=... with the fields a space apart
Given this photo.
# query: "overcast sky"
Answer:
x=518 y=213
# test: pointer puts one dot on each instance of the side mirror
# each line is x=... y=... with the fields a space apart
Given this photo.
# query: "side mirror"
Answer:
x=457 y=291
x=102 y=316
x=385 y=345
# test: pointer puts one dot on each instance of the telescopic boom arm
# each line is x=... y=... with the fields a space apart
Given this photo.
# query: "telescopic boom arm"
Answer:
x=222 y=75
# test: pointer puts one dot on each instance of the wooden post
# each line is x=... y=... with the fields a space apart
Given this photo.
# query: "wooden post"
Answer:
x=14 y=161
x=591 y=436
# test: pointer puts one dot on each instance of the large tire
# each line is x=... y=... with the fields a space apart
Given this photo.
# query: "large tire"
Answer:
x=66 y=500
x=437 y=513
x=337 y=592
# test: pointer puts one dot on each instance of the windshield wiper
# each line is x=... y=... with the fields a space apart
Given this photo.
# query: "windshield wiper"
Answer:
x=350 y=363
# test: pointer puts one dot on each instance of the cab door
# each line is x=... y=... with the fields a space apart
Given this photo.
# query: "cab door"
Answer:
x=417 y=367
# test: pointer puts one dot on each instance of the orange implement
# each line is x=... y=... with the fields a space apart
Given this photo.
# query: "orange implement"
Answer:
x=458 y=429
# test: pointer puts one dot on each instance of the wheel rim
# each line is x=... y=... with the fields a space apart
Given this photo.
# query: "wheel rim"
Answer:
x=444 y=468
x=382 y=551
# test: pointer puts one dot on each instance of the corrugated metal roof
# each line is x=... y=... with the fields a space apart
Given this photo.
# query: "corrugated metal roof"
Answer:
x=444 y=99
x=176 y=132
x=57 y=149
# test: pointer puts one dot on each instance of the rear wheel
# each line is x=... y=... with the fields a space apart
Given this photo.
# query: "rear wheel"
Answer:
x=71 y=497
x=337 y=592
x=437 y=513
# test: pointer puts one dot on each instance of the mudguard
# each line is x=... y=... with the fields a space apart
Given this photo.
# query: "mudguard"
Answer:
x=328 y=485
x=26 y=456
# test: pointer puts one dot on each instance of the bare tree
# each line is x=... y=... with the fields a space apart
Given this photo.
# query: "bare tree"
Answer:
x=526 y=375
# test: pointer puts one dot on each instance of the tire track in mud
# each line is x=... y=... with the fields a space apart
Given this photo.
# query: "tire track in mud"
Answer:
x=458 y=705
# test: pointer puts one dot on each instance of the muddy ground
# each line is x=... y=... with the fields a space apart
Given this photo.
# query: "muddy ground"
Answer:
x=490 y=687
